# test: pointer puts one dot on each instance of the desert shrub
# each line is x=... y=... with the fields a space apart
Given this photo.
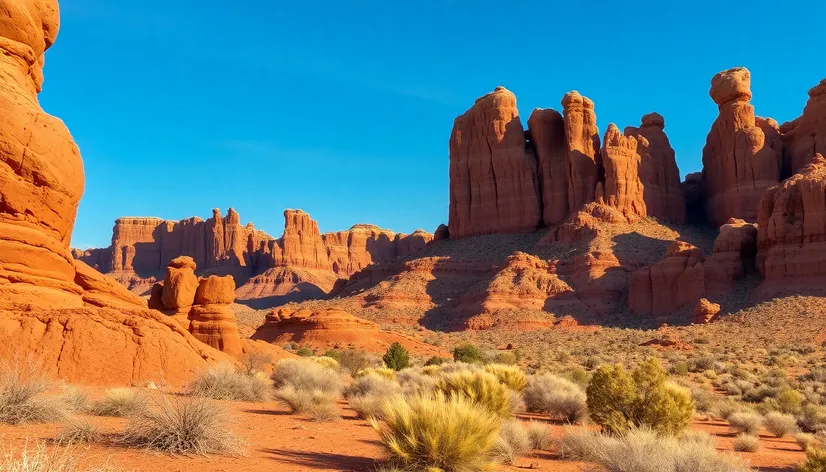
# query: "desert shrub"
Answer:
x=680 y=368
x=592 y=362
x=438 y=432
x=746 y=422
x=505 y=357
x=121 y=402
x=304 y=374
x=702 y=364
x=414 y=381
x=704 y=400
x=225 y=382
x=547 y=393
x=539 y=435
x=75 y=398
x=324 y=411
x=388 y=374
x=182 y=426
x=643 y=450
x=780 y=424
x=435 y=360
x=700 y=437
x=396 y=357
x=815 y=460
x=723 y=409
x=789 y=401
x=577 y=375
x=40 y=459
x=468 y=353
x=481 y=388
x=353 y=361
x=812 y=419
x=513 y=441
x=746 y=443
x=78 y=431
x=304 y=352
x=368 y=393
x=805 y=440
x=618 y=401
x=255 y=361
x=22 y=395
x=325 y=361
x=301 y=400
x=513 y=377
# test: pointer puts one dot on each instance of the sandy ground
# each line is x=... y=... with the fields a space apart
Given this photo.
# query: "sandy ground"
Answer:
x=279 y=441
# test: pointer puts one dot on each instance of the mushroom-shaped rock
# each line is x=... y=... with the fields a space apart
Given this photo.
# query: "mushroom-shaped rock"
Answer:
x=705 y=311
x=179 y=288
x=493 y=183
x=211 y=319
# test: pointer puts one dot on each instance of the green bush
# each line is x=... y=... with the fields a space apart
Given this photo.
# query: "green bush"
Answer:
x=815 y=460
x=435 y=360
x=396 y=357
x=468 y=353
x=305 y=352
x=479 y=387
x=618 y=401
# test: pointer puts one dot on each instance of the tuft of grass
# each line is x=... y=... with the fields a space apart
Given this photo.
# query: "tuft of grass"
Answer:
x=746 y=443
x=510 y=375
x=746 y=422
x=302 y=401
x=78 y=431
x=556 y=396
x=22 y=395
x=183 y=426
x=479 y=387
x=256 y=361
x=121 y=402
x=815 y=460
x=805 y=440
x=225 y=382
x=438 y=432
x=325 y=361
x=304 y=374
x=780 y=424
x=513 y=441
x=41 y=459
x=324 y=412
x=539 y=435
x=75 y=398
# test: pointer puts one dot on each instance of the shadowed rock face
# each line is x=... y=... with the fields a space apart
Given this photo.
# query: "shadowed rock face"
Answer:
x=584 y=159
x=742 y=157
x=41 y=172
x=806 y=136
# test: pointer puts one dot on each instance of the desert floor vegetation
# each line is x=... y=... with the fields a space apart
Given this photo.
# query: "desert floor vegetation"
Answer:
x=23 y=396
x=227 y=382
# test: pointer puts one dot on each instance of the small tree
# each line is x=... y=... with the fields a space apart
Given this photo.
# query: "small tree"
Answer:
x=397 y=357
x=468 y=353
x=618 y=401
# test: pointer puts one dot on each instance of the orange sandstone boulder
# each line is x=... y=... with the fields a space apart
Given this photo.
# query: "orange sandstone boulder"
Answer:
x=179 y=288
x=211 y=320
x=102 y=291
x=583 y=156
x=740 y=161
x=705 y=311
x=791 y=237
x=493 y=182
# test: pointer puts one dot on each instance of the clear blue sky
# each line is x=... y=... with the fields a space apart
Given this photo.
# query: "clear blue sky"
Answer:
x=180 y=106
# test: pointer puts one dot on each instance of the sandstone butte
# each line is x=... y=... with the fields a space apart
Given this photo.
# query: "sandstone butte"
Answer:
x=79 y=324
x=302 y=259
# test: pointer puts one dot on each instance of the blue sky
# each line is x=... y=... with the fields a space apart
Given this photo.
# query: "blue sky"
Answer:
x=344 y=109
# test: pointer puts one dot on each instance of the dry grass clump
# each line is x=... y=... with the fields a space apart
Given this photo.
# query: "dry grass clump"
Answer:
x=642 y=450
x=22 y=399
x=510 y=375
x=225 y=382
x=388 y=374
x=805 y=440
x=513 y=441
x=319 y=405
x=438 y=432
x=479 y=387
x=780 y=424
x=414 y=380
x=255 y=361
x=746 y=443
x=367 y=394
x=539 y=435
x=815 y=460
x=78 y=431
x=121 y=402
x=325 y=361
x=41 y=459
x=75 y=398
x=747 y=422
x=182 y=426
x=556 y=396
x=303 y=374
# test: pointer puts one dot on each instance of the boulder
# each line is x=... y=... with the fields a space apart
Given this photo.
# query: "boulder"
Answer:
x=791 y=238
x=211 y=319
x=742 y=157
x=179 y=288
x=493 y=181
x=705 y=311
x=584 y=163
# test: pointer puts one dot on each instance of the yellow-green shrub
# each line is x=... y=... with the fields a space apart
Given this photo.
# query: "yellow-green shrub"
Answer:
x=618 y=400
x=480 y=387
x=438 y=432
x=383 y=372
x=815 y=460
x=326 y=361
x=510 y=375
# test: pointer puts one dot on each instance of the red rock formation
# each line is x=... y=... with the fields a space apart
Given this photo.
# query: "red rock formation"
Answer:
x=493 y=182
x=791 y=237
x=584 y=160
x=598 y=278
x=583 y=225
x=441 y=233
x=694 y=192
x=179 y=288
x=623 y=188
x=705 y=311
x=547 y=134
x=333 y=328
x=733 y=255
x=677 y=280
x=662 y=191
x=740 y=161
x=41 y=172
x=806 y=136
x=102 y=291
x=410 y=243
x=211 y=320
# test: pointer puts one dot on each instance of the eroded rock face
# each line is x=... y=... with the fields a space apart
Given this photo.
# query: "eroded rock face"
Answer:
x=677 y=280
x=791 y=237
x=179 y=288
x=733 y=256
x=705 y=311
x=493 y=181
x=662 y=191
x=211 y=319
x=806 y=136
x=584 y=160
x=41 y=172
x=741 y=161
x=547 y=133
